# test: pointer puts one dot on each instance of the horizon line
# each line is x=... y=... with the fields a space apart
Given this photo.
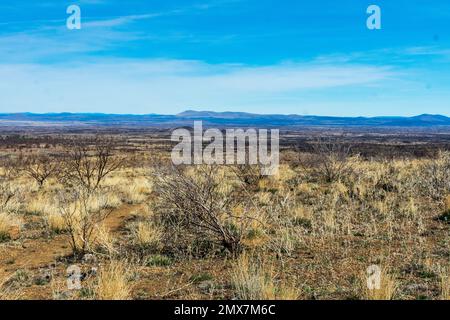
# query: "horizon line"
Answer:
x=219 y=113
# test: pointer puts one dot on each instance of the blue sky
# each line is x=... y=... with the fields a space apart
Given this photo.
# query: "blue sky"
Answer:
x=292 y=56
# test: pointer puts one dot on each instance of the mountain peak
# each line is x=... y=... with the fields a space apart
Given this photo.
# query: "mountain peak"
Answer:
x=219 y=115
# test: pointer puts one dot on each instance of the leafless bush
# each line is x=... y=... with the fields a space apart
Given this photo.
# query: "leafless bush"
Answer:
x=88 y=166
x=82 y=211
x=40 y=168
x=201 y=205
x=330 y=159
x=8 y=171
x=9 y=168
x=84 y=205
x=7 y=193
x=435 y=178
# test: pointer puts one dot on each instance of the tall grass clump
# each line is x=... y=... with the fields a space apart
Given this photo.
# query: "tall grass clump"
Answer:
x=253 y=279
x=113 y=283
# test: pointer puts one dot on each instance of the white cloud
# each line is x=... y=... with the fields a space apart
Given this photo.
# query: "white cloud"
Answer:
x=167 y=86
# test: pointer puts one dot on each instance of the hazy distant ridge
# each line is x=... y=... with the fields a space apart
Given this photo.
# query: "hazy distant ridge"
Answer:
x=225 y=119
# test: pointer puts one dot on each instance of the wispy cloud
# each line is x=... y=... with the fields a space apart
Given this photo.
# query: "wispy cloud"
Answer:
x=118 y=21
x=171 y=85
x=123 y=20
x=46 y=39
x=39 y=47
x=427 y=51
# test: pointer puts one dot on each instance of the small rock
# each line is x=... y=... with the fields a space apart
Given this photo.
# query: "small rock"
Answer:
x=93 y=271
x=89 y=258
x=206 y=286
x=43 y=278
x=417 y=287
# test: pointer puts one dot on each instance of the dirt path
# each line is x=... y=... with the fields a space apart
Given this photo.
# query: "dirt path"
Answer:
x=35 y=254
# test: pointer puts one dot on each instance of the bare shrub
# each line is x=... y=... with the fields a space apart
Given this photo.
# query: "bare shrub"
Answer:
x=82 y=212
x=40 y=168
x=8 y=172
x=330 y=159
x=199 y=203
x=7 y=194
x=87 y=165
x=8 y=210
x=9 y=168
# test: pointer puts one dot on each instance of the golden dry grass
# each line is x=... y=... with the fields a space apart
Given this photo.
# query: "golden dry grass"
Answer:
x=447 y=203
x=445 y=285
x=41 y=204
x=132 y=187
x=8 y=222
x=146 y=234
x=55 y=221
x=104 y=239
x=254 y=280
x=112 y=283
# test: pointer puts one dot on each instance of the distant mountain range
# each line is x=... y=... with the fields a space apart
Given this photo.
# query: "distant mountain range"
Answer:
x=226 y=119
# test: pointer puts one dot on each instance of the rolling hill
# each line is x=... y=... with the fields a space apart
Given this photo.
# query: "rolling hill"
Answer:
x=226 y=119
